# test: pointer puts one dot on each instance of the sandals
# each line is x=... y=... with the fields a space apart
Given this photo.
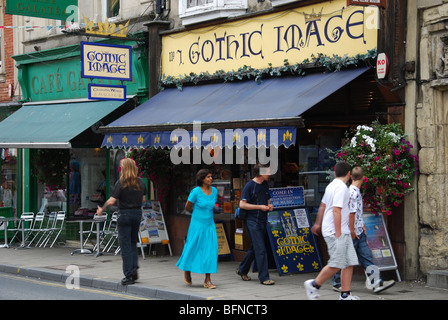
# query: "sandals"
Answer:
x=209 y=285
x=268 y=282
x=244 y=277
x=187 y=279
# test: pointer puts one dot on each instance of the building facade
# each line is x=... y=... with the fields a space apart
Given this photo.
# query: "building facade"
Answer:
x=426 y=102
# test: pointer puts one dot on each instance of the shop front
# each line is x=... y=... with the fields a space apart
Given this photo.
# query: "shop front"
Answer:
x=273 y=100
x=60 y=165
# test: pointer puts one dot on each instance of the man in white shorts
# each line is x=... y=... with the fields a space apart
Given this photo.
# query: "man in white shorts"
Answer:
x=333 y=215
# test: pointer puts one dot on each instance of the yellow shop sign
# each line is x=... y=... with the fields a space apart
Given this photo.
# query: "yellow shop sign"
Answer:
x=294 y=35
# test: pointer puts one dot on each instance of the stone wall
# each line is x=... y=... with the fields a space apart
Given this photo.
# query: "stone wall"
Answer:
x=432 y=135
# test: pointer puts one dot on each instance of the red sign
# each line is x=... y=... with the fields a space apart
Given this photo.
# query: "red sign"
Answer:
x=379 y=3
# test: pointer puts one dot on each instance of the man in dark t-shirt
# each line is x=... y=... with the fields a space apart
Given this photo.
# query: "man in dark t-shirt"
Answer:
x=256 y=200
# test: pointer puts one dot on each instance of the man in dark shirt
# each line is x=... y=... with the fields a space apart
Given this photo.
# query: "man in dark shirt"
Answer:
x=256 y=200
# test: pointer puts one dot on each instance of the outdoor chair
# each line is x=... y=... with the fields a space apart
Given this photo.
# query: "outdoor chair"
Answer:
x=56 y=229
x=27 y=225
x=37 y=228
x=111 y=232
x=47 y=229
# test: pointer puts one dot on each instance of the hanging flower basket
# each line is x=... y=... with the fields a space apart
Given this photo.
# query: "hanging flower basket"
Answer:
x=154 y=164
x=384 y=153
x=51 y=167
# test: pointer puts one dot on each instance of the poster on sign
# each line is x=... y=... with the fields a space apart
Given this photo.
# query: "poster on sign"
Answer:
x=152 y=227
x=293 y=244
x=287 y=197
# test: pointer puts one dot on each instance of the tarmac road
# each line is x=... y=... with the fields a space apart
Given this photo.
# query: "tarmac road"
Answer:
x=24 y=288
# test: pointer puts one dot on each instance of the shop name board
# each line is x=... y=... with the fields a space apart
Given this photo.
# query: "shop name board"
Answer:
x=65 y=10
x=294 y=35
x=105 y=61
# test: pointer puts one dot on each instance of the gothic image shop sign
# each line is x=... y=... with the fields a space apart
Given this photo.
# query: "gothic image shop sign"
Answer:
x=65 y=10
x=294 y=246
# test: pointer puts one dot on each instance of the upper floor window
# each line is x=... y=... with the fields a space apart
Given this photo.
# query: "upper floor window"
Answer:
x=113 y=8
x=196 y=11
x=196 y=3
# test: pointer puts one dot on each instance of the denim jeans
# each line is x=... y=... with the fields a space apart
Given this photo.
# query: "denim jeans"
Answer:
x=364 y=256
x=256 y=230
x=128 y=225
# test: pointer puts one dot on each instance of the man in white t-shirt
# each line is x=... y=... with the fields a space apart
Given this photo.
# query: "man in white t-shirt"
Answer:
x=333 y=218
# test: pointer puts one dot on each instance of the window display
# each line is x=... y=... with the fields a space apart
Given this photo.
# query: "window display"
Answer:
x=8 y=167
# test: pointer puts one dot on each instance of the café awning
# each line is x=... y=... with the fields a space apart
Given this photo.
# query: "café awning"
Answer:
x=221 y=109
x=49 y=126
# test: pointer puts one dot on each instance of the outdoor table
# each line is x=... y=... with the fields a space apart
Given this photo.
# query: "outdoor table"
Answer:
x=98 y=220
x=81 y=250
x=7 y=220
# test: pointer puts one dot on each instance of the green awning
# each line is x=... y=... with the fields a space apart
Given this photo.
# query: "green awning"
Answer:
x=52 y=125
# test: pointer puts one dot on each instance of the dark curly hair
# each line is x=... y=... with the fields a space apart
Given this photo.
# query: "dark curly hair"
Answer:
x=200 y=176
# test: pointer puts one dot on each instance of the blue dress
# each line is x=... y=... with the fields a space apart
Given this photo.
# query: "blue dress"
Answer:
x=200 y=254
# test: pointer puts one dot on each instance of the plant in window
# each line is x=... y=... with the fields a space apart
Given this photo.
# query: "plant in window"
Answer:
x=384 y=153
x=51 y=167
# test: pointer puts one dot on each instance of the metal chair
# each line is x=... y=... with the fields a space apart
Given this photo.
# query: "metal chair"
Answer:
x=111 y=232
x=37 y=227
x=27 y=225
x=58 y=224
x=47 y=229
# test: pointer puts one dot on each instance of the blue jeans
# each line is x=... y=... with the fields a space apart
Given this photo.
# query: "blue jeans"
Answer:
x=364 y=256
x=128 y=225
x=256 y=230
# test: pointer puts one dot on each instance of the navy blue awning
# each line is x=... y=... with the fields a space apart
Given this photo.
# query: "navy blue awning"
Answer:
x=222 y=106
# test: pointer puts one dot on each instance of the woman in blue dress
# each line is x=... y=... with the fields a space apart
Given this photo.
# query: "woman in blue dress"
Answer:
x=200 y=254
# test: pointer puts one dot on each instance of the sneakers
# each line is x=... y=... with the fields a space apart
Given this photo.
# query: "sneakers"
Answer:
x=349 y=297
x=311 y=292
x=384 y=285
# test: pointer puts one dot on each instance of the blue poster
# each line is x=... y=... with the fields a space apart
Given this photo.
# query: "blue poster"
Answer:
x=287 y=197
x=294 y=246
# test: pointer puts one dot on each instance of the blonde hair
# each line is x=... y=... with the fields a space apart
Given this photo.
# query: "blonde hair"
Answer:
x=129 y=174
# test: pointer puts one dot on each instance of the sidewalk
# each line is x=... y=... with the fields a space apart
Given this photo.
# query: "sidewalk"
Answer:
x=161 y=279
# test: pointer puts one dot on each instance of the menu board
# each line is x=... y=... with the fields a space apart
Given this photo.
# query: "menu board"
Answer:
x=153 y=227
x=223 y=242
x=293 y=244
x=379 y=243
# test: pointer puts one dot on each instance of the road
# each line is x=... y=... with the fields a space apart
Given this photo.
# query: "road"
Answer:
x=22 y=288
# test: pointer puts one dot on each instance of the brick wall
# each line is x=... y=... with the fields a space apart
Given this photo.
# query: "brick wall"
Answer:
x=7 y=62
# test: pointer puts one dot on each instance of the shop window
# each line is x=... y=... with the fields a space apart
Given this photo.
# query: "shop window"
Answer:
x=8 y=168
x=196 y=11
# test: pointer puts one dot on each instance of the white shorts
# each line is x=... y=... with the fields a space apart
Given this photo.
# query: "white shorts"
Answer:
x=341 y=251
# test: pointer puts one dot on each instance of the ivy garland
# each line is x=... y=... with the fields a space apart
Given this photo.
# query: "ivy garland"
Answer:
x=333 y=63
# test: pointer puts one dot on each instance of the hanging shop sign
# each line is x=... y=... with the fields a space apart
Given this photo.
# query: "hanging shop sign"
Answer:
x=382 y=66
x=267 y=41
x=293 y=244
x=106 y=61
x=65 y=10
x=379 y=3
x=107 y=92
